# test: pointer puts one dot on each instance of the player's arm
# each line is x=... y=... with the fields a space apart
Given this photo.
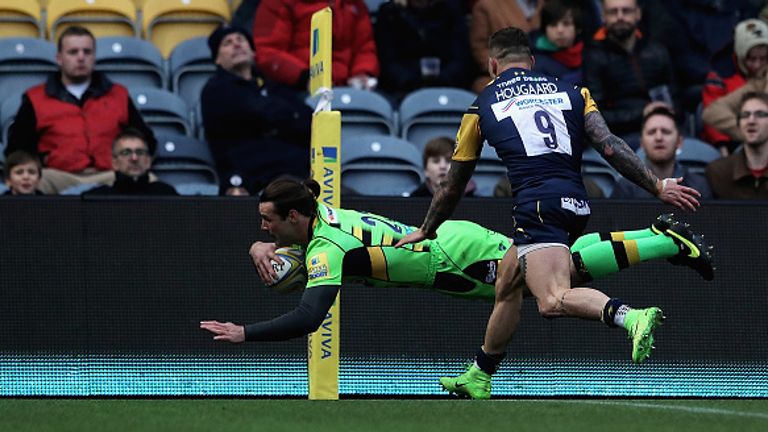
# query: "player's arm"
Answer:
x=469 y=142
x=304 y=319
x=614 y=150
x=448 y=196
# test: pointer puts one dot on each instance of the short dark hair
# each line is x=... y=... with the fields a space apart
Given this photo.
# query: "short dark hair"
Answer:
x=555 y=10
x=287 y=194
x=130 y=132
x=19 y=157
x=436 y=147
x=509 y=45
x=762 y=97
x=75 y=31
x=663 y=111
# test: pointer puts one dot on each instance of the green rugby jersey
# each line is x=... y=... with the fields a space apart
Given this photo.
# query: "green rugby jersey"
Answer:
x=352 y=246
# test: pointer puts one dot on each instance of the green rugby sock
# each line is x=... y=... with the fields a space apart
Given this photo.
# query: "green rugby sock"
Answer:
x=592 y=238
x=607 y=257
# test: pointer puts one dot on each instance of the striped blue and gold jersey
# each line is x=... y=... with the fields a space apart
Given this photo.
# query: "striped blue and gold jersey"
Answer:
x=536 y=125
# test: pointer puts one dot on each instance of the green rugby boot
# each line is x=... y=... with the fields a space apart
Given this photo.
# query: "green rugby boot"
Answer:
x=640 y=324
x=662 y=223
x=695 y=252
x=475 y=383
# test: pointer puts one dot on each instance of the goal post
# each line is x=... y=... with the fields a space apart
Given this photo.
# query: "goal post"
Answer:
x=323 y=356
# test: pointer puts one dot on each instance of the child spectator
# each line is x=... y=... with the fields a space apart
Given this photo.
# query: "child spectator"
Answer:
x=557 y=47
x=437 y=162
x=22 y=173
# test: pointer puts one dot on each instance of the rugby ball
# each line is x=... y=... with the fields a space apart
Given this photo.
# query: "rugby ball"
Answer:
x=291 y=273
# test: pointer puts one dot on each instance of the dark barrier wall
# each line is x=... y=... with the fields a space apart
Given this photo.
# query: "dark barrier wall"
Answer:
x=104 y=297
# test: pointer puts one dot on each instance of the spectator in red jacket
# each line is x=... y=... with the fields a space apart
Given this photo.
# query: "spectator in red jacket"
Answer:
x=72 y=118
x=750 y=47
x=281 y=32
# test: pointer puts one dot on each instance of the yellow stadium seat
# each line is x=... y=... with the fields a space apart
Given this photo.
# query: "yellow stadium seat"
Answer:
x=233 y=4
x=20 y=18
x=168 y=22
x=101 y=17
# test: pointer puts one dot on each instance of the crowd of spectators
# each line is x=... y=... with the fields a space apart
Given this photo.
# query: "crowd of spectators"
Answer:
x=658 y=70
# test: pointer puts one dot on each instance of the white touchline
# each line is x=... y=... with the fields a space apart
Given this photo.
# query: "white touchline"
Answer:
x=676 y=408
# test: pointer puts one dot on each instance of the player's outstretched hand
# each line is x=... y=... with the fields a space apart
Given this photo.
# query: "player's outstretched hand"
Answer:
x=413 y=237
x=683 y=197
x=261 y=255
x=226 y=332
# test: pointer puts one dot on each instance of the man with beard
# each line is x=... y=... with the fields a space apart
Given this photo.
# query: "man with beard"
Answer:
x=625 y=71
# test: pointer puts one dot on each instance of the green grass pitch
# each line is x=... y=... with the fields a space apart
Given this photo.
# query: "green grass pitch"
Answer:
x=443 y=415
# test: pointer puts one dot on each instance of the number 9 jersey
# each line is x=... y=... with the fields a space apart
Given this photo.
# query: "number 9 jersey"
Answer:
x=536 y=125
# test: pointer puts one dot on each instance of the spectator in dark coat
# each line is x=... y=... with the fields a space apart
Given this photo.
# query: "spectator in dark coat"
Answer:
x=625 y=71
x=422 y=43
x=257 y=130
x=131 y=160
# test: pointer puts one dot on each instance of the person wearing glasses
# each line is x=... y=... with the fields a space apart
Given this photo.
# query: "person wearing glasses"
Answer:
x=131 y=160
x=72 y=118
x=744 y=174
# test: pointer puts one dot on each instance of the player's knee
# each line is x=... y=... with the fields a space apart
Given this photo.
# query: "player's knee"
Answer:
x=549 y=306
x=509 y=284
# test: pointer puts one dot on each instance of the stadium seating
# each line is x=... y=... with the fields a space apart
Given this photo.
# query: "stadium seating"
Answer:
x=20 y=18
x=488 y=171
x=163 y=111
x=79 y=189
x=362 y=112
x=183 y=160
x=380 y=165
x=101 y=17
x=432 y=112
x=599 y=170
x=166 y=23
x=190 y=66
x=130 y=61
x=24 y=62
x=694 y=154
x=8 y=109
x=209 y=189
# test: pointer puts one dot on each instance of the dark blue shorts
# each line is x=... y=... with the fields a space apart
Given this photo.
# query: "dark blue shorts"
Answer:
x=553 y=220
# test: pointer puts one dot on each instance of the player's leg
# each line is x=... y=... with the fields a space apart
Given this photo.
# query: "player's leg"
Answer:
x=599 y=254
x=586 y=303
x=476 y=381
x=658 y=226
x=607 y=257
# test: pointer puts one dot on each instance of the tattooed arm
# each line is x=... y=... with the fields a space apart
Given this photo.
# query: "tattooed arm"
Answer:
x=614 y=150
x=447 y=196
x=443 y=203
